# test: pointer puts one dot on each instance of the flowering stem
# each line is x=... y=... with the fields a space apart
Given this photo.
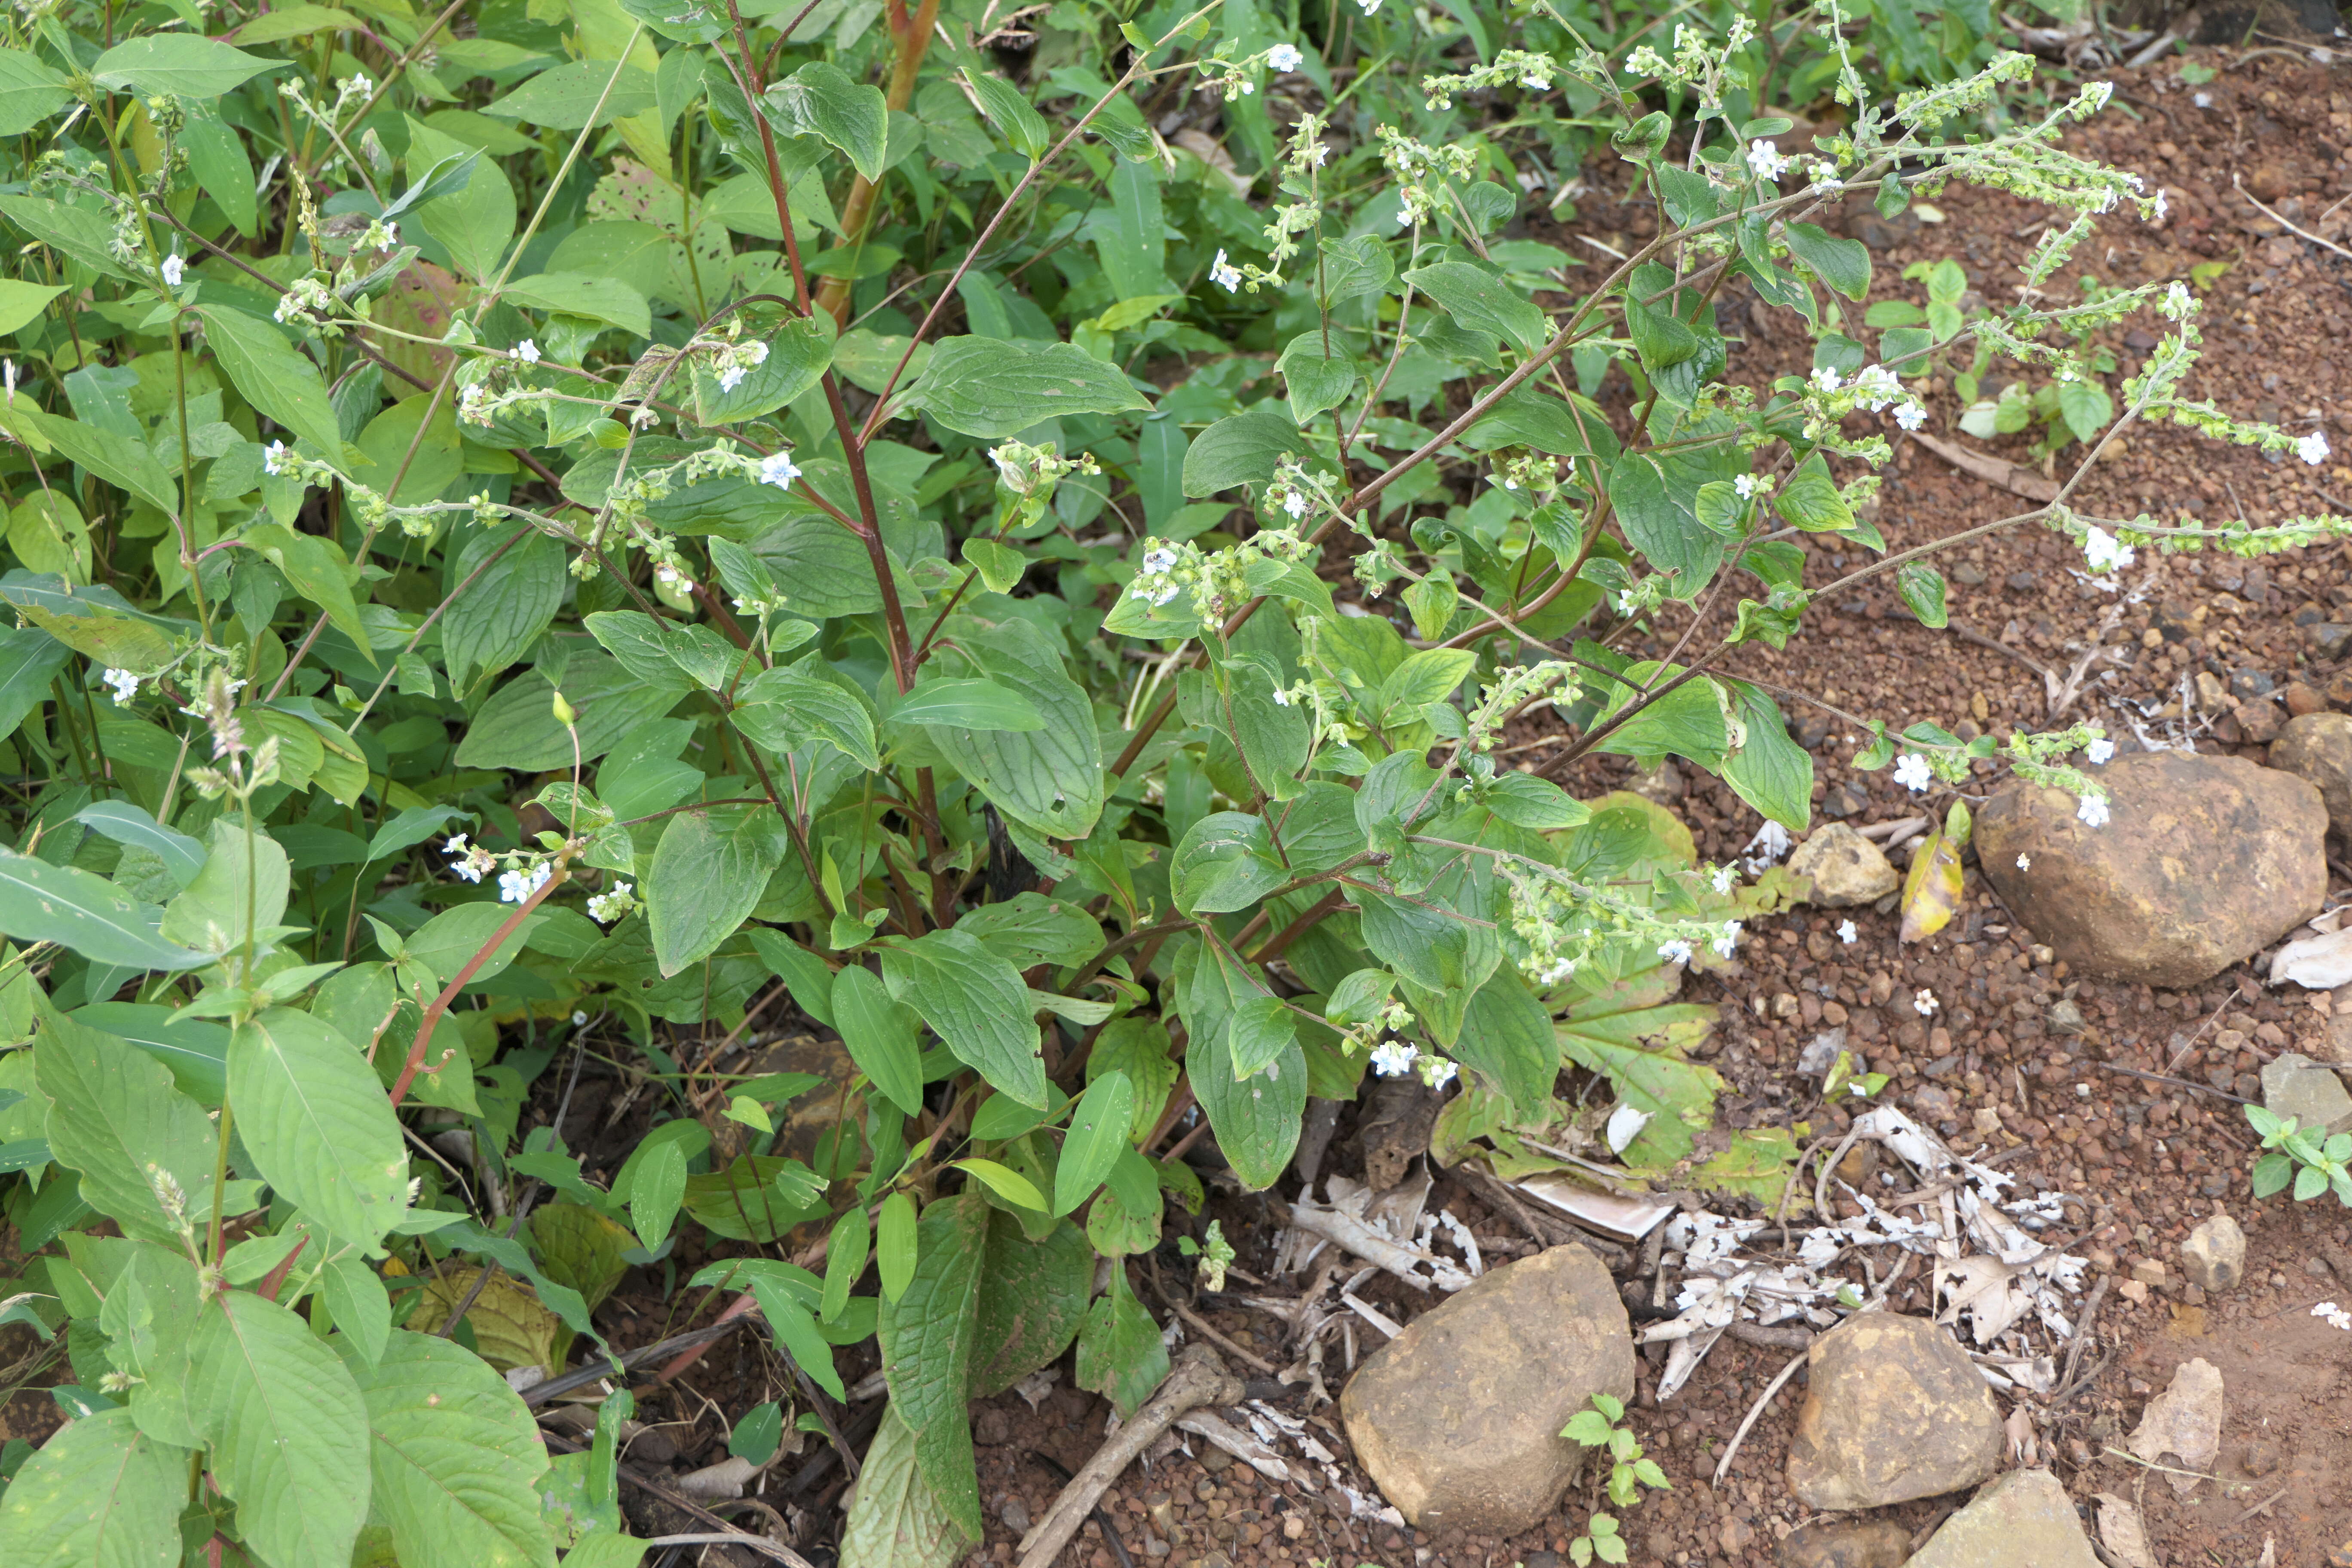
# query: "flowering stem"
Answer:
x=415 y=1062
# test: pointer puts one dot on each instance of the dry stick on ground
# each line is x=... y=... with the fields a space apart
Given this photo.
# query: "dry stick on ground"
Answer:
x=1198 y=1379
x=677 y=1500
x=1732 y=1450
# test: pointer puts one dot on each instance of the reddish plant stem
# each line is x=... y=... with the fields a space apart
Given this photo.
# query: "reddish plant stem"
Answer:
x=458 y=982
x=275 y=1281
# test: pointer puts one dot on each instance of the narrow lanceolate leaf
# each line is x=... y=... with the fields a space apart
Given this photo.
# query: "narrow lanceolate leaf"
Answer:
x=115 y=1117
x=454 y=1458
x=313 y=1116
x=1097 y=1134
x=285 y=1429
x=99 y=1494
x=977 y=1003
x=65 y=905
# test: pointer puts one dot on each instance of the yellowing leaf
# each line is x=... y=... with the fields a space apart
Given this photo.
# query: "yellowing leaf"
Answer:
x=1931 y=891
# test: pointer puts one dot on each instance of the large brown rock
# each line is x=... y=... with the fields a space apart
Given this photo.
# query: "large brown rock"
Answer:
x=1458 y=1418
x=2022 y=1521
x=1894 y=1410
x=2319 y=747
x=2202 y=861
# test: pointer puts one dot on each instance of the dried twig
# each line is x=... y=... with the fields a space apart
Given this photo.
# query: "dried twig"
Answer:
x=677 y=1500
x=2285 y=224
x=2014 y=477
x=1198 y=1379
x=1731 y=1449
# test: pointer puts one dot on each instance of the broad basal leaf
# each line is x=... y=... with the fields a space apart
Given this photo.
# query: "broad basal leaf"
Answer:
x=454 y=1459
x=99 y=1494
x=313 y=1115
x=995 y=387
x=927 y=1343
x=286 y=1430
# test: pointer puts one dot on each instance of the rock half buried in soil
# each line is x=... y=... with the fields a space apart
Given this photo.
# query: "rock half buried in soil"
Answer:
x=2319 y=747
x=2203 y=860
x=1458 y=1418
x=1894 y=1410
x=2022 y=1521
x=1846 y=868
x=1846 y=1543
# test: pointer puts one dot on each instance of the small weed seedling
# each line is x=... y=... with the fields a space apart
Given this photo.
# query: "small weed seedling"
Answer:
x=1629 y=1471
x=2313 y=1166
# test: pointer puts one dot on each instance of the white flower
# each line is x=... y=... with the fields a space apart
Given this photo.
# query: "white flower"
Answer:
x=1848 y=933
x=1284 y=57
x=2092 y=810
x=1911 y=770
x=1728 y=941
x=612 y=905
x=1877 y=387
x=2099 y=751
x=2161 y=204
x=1393 y=1058
x=1923 y=1004
x=1766 y=848
x=2025 y=862
x=2178 y=301
x=1223 y=273
x=2100 y=549
x=1825 y=178
x=2312 y=448
x=1436 y=1071
x=578 y=1019
x=175 y=267
x=1370 y=6
x=470 y=860
x=1674 y=952
x=778 y=468
x=273 y=461
x=1828 y=378
x=1766 y=160
x=1536 y=82
x=1281 y=698
x=527 y=352
x=1295 y=502
x=1155 y=561
x=731 y=377
x=1910 y=416
x=1723 y=879
x=516 y=886
x=1746 y=484
x=125 y=684
x=754 y=353
x=668 y=574
x=2203 y=100
x=1318 y=152
x=8 y=371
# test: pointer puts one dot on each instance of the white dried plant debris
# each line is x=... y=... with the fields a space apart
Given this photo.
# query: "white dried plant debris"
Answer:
x=1988 y=1265
x=1034 y=1387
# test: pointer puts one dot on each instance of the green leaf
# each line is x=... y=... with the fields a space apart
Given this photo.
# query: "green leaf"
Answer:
x=449 y=941
x=279 y=381
x=795 y=1329
x=821 y=99
x=996 y=387
x=128 y=824
x=2086 y=408
x=41 y=902
x=656 y=1193
x=565 y=98
x=784 y=709
x=287 y=1427
x=1810 y=499
x=1768 y=769
x=1011 y=113
x=319 y=572
x=708 y=872
x=475 y=223
x=20 y=303
x=115 y=1116
x=517 y=728
x=30 y=92
x=927 y=1341
x=1242 y=448
x=1032 y=1297
x=179 y=64
x=1120 y=1353
x=99 y=1494
x=1049 y=781
x=454 y=1459
x=496 y=622
x=1097 y=1135
x=1030 y=928
x=799 y=353
x=1480 y=302
x=897 y=1520
x=1506 y=1039
x=1257 y=1121
x=241 y=879
x=1922 y=587
x=847 y=1248
x=896 y=1240
x=606 y=299
x=122 y=642
x=967 y=705
x=1426 y=678
x=879 y=1034
x=119 y=460
x=977 y=1004
x=361 y=1307
x=1004 y=1182
x=1226 y=862
x=1317 y=373
x=313 y=1116
x=1842 y=264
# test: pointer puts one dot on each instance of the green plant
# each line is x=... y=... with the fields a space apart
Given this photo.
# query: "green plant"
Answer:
x=1629 y=1470
x=2314 y=1165
x=518 y=574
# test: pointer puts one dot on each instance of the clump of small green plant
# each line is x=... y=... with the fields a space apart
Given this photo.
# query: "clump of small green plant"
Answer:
x=1629 y=1471
x=2313 y=1166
